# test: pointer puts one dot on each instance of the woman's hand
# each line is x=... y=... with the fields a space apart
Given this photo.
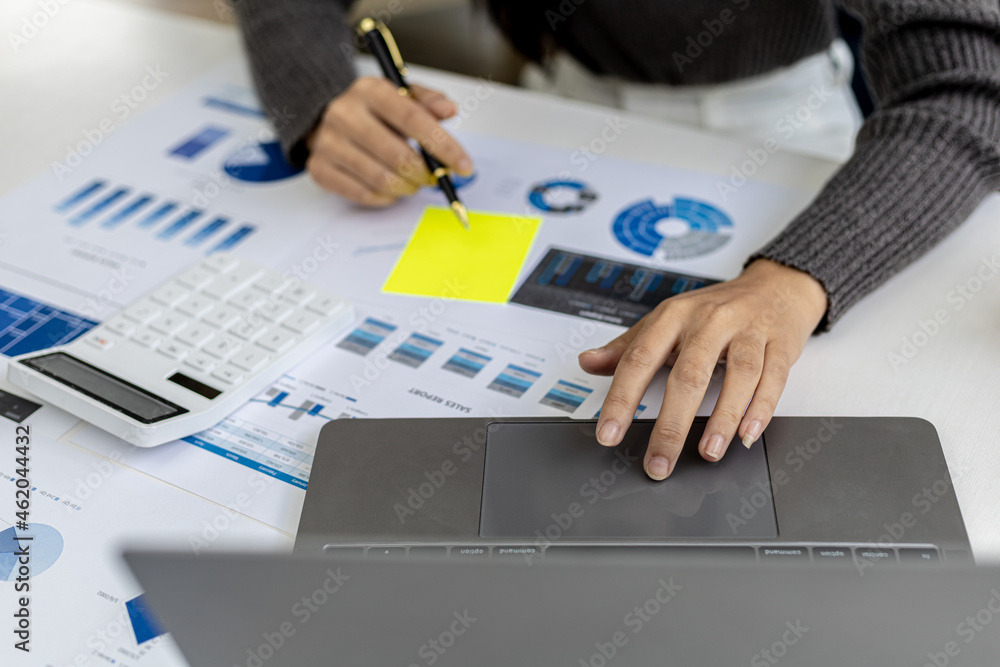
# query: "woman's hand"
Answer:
x=359 y=149
x=757 y=324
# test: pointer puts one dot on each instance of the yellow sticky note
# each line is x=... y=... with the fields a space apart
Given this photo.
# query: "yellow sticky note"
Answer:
x=443 y=259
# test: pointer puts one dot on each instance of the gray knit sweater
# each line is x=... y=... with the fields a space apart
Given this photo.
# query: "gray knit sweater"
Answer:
x=922 y=163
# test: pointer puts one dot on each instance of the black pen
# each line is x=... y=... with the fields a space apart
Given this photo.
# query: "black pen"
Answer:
x=383 y=47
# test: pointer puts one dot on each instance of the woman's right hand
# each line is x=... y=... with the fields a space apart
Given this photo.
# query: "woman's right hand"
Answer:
x=360 y=151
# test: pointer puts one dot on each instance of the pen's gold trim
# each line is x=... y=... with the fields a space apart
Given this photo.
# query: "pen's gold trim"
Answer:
x=440 y=172
x=367 y=25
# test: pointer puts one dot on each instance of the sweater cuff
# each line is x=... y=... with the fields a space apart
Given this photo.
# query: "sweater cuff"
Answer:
x=914 y=177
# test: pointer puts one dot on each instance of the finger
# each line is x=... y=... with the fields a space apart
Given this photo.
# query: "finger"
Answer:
x=778 y=361
x=744 y=362
x=604 y=360
x=336 y=180
x=436 y=101
x=385 y=144
x=343 y=153
x=412 y=119
x=639 y=362
x=686 y=387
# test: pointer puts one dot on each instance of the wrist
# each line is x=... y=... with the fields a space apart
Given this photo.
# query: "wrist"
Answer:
x=803 y=291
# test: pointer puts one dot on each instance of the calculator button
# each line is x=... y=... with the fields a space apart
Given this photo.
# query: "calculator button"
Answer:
x=144 y=312
x=272 y=283
x=196 y=306
x=172 y=350
x=120 y=326
x=201 y=362
x=299 y=295
x=220 y=263
x=196 y=278
x=223 y=317
x=251 y=360
x=147 y=338
x=168 y=324
x=277 y=341
x=302 y=323
x=169 y=296
x=275 y=312
x=101 y=342
x=196 y=335
x=248 y=331
x=223 y=347
x=230 y=283
x=248 y=299
x=229 y=374
x=324 y=305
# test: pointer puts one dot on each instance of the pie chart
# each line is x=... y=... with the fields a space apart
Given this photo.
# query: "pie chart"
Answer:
x=260 y=163
x=44 y=547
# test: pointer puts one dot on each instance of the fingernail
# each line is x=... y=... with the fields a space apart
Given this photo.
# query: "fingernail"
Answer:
x=607 y=434
x=752 y=433
x=596 y=350
x=657 y=468
x=713 y=448
x=464 y=166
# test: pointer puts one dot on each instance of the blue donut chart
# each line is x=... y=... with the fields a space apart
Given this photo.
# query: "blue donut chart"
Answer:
x=46 y=546
x=708 y=229
x=584 y=196
x=260 y=163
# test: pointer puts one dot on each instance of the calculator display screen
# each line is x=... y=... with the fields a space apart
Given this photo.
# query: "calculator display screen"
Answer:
x=102 y=386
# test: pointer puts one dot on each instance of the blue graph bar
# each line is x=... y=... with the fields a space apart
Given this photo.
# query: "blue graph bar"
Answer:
x=123 y=215
x=80 y=195
x=192 y=147
x=235 y=238
x=316 y=409
x=99 y=207
x=145 y=625
x=206 y=231
x=178 y=225
x=27 y=325
x=158 y=214
x=274 y=402
x=233 y=107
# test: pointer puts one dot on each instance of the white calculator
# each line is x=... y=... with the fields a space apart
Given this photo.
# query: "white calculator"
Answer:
x=188 y=354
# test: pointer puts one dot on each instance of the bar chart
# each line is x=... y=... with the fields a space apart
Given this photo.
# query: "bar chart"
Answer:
x=114 y=207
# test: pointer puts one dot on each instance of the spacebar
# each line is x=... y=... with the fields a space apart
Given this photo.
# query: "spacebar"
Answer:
x=741 y=553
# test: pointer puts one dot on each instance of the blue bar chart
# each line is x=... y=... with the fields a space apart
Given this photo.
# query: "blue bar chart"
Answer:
x=366 y=336
x=514 y=381
x=566 y=396
x=466 y=362
x=415 y=350
x=27 y=325
x=116 y=207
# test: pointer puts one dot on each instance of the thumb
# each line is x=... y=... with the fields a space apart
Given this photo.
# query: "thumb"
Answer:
x=436 y=102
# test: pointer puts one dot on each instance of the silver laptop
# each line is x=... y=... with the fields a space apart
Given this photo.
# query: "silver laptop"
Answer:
x=586 y=611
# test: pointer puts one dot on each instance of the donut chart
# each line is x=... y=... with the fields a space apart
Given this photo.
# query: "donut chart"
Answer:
x=46 y=545
x=707 y=229
x=561 y=196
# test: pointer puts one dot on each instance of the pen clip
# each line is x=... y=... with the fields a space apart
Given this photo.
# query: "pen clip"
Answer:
x=367 y=25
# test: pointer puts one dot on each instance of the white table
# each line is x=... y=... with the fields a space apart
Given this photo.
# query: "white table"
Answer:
x=63 y=80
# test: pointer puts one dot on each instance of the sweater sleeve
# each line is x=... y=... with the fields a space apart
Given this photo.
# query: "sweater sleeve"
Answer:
x=922 y=162
x=301 y=55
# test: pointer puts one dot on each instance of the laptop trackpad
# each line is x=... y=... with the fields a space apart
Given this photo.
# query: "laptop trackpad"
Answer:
x=553 y=481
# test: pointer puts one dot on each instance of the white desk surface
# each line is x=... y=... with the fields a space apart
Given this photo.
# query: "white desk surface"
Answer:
x=64 y=79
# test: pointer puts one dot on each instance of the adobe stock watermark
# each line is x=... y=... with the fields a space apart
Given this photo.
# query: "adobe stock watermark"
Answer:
x=967 y=630
x=786 y=126
x=121 y=107
x=760 y=495
x=714 y=28
x=435 y=647
x=302 y=610
x=791 y=636
x=32 y=24
x=634 y=622
x=957 y=298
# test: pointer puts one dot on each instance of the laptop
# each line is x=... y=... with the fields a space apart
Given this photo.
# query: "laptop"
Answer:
x=592 y=610
x=860 y=492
